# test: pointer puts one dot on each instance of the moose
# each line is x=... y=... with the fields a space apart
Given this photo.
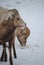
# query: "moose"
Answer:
x=10 y=21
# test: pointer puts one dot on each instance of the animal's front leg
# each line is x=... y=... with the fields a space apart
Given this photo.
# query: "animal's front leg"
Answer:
x=1 y=59
x=13 y=45
x=14 y=52
x=10 y=53
x=4 y=55
x=0 y=43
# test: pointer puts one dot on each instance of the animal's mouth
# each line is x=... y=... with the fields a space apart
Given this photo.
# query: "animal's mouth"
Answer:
x=20 y=26
x=23 y=47
x=23 y=44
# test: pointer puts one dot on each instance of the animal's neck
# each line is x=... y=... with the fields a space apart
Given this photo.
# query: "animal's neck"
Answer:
x=8 y=36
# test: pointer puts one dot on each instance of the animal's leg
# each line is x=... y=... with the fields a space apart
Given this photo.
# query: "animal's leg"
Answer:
x=0 y=43
x=10 y=53
x=4 y=55
x=1 y=59
x=14 y=52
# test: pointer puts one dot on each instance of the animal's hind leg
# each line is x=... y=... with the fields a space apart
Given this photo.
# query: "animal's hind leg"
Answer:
x=4 y=55
x=10 y=53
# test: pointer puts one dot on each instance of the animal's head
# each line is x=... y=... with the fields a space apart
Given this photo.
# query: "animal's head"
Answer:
x=22 y=37
x=17 y=19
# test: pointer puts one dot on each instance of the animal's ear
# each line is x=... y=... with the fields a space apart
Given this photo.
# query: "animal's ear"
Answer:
x=10 y=19
x=14 y=11
x=11 y=16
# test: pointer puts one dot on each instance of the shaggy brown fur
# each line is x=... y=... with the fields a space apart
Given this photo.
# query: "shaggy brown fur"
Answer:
x=9 y=20
x=22 y=33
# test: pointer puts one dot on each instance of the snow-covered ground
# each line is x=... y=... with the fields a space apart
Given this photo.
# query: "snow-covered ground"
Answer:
x=32 y=12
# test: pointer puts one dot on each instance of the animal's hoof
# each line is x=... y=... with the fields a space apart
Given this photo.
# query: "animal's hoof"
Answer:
x=0 y=43
x=15 y=56
x=1 y=59
x=5 y=60
x=11 y=63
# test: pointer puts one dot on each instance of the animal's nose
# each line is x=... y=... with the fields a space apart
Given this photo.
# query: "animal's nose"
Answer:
x=25 y=23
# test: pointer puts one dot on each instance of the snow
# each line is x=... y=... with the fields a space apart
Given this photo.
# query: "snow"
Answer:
x=32 y=12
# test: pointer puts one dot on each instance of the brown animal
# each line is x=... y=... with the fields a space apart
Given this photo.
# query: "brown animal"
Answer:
x=22 y=33
x=9 y=20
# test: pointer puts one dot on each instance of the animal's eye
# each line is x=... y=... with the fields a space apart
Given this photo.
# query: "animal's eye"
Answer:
x=17 y=18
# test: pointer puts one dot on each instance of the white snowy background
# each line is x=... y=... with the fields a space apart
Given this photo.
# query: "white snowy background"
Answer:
x=32 y=12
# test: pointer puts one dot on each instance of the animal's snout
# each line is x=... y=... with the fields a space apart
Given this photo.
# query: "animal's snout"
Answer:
x=25 y=23
x=23 y=44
